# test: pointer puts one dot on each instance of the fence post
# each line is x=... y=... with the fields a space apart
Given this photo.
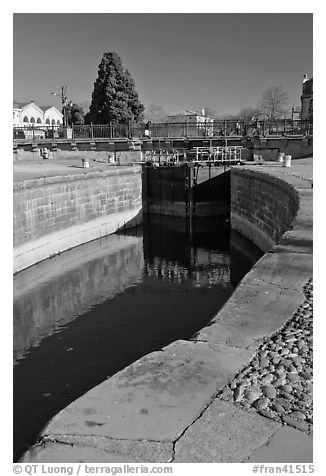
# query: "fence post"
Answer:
x=92 y=134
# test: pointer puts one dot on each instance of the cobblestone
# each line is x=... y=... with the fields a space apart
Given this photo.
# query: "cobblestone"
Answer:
x=278 y=380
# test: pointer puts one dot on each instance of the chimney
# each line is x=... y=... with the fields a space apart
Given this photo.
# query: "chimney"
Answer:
x=203 y=112
x=305 y=78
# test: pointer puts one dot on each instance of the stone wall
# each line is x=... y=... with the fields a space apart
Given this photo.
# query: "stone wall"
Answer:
x=53 y=214
x=262 y=206
x=269 y=148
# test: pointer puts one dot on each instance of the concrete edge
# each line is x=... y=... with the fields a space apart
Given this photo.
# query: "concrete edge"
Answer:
x=37 y=182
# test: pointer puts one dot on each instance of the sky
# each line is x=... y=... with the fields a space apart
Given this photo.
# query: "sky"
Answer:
x=178 y=60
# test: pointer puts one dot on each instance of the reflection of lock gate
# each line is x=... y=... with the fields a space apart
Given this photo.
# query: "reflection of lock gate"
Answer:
x=175 y=272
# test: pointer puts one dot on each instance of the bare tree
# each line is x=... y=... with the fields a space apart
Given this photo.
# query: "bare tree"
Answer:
x=272 y=102
x=248 y=113
x=209 y=112
x=155 y=113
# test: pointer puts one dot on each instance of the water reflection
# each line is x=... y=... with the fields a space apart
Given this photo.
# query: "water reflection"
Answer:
x=83 y=316
x=49 y=295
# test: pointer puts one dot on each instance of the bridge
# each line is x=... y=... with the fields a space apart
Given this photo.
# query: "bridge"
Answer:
x=163 y=130
x=291 y=136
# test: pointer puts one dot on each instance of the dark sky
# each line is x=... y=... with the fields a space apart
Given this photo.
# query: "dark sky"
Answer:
x=179 y=61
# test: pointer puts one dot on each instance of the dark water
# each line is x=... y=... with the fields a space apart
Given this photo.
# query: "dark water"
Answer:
x=83 y=316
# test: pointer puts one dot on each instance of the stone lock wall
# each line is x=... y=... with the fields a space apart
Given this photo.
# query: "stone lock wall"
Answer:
x=262 y=206
x=56 y=213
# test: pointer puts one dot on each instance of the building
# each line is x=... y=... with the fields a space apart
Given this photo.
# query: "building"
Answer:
x=30 y=114
x=296 y=113
x=307 y=98
x=194 y=120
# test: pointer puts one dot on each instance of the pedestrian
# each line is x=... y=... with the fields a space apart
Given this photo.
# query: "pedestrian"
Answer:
x=45 y=153
x=147 y=132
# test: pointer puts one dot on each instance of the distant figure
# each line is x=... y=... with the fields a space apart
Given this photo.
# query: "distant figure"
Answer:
x=238 y=128
x=45 y=153
x=147 y=132
x=258 y=128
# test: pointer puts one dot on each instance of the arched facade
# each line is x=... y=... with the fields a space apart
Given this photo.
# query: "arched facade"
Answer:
x=27 y=114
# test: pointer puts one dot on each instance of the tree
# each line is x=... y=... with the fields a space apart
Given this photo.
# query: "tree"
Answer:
x=247 y=113
x=272 y=102
x=114 y=98
x=155 y=113
x=209 y=112
x=75 y=114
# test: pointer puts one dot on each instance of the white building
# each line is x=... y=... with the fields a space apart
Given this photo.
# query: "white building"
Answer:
x=203 y=124
x=190 y=117
x=29 y=113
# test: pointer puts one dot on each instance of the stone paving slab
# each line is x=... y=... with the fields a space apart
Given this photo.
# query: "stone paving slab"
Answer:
x=286 y=446
x=298 y=241
x=254 y=311
x=114 y=450
x=155 y=398
x=236 y=335
x=223 y=434
x=61 y=453
x=289 y=271
x=151 y=451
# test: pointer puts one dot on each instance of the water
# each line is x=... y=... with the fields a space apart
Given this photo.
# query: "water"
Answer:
x=84 y=315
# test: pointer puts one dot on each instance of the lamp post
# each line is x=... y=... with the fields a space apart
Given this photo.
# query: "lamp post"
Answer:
x=64 y=103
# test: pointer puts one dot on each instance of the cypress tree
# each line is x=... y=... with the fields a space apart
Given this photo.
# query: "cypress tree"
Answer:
x=114 y=97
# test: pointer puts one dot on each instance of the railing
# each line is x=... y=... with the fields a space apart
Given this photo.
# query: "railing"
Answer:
x=38 y=132
x=225 y=128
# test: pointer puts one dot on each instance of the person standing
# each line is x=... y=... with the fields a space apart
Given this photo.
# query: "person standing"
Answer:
x=147 y=132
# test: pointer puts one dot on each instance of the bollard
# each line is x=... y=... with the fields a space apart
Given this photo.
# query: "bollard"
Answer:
x=280 y=157
x=85 y=164
x=287 y=162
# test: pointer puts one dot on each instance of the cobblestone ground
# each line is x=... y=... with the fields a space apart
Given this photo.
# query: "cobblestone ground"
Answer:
x=277 y=383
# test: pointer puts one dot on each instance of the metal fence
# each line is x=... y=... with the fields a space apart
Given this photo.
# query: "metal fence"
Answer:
x=38 y=132
x=225 y=128
x=286 y=127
